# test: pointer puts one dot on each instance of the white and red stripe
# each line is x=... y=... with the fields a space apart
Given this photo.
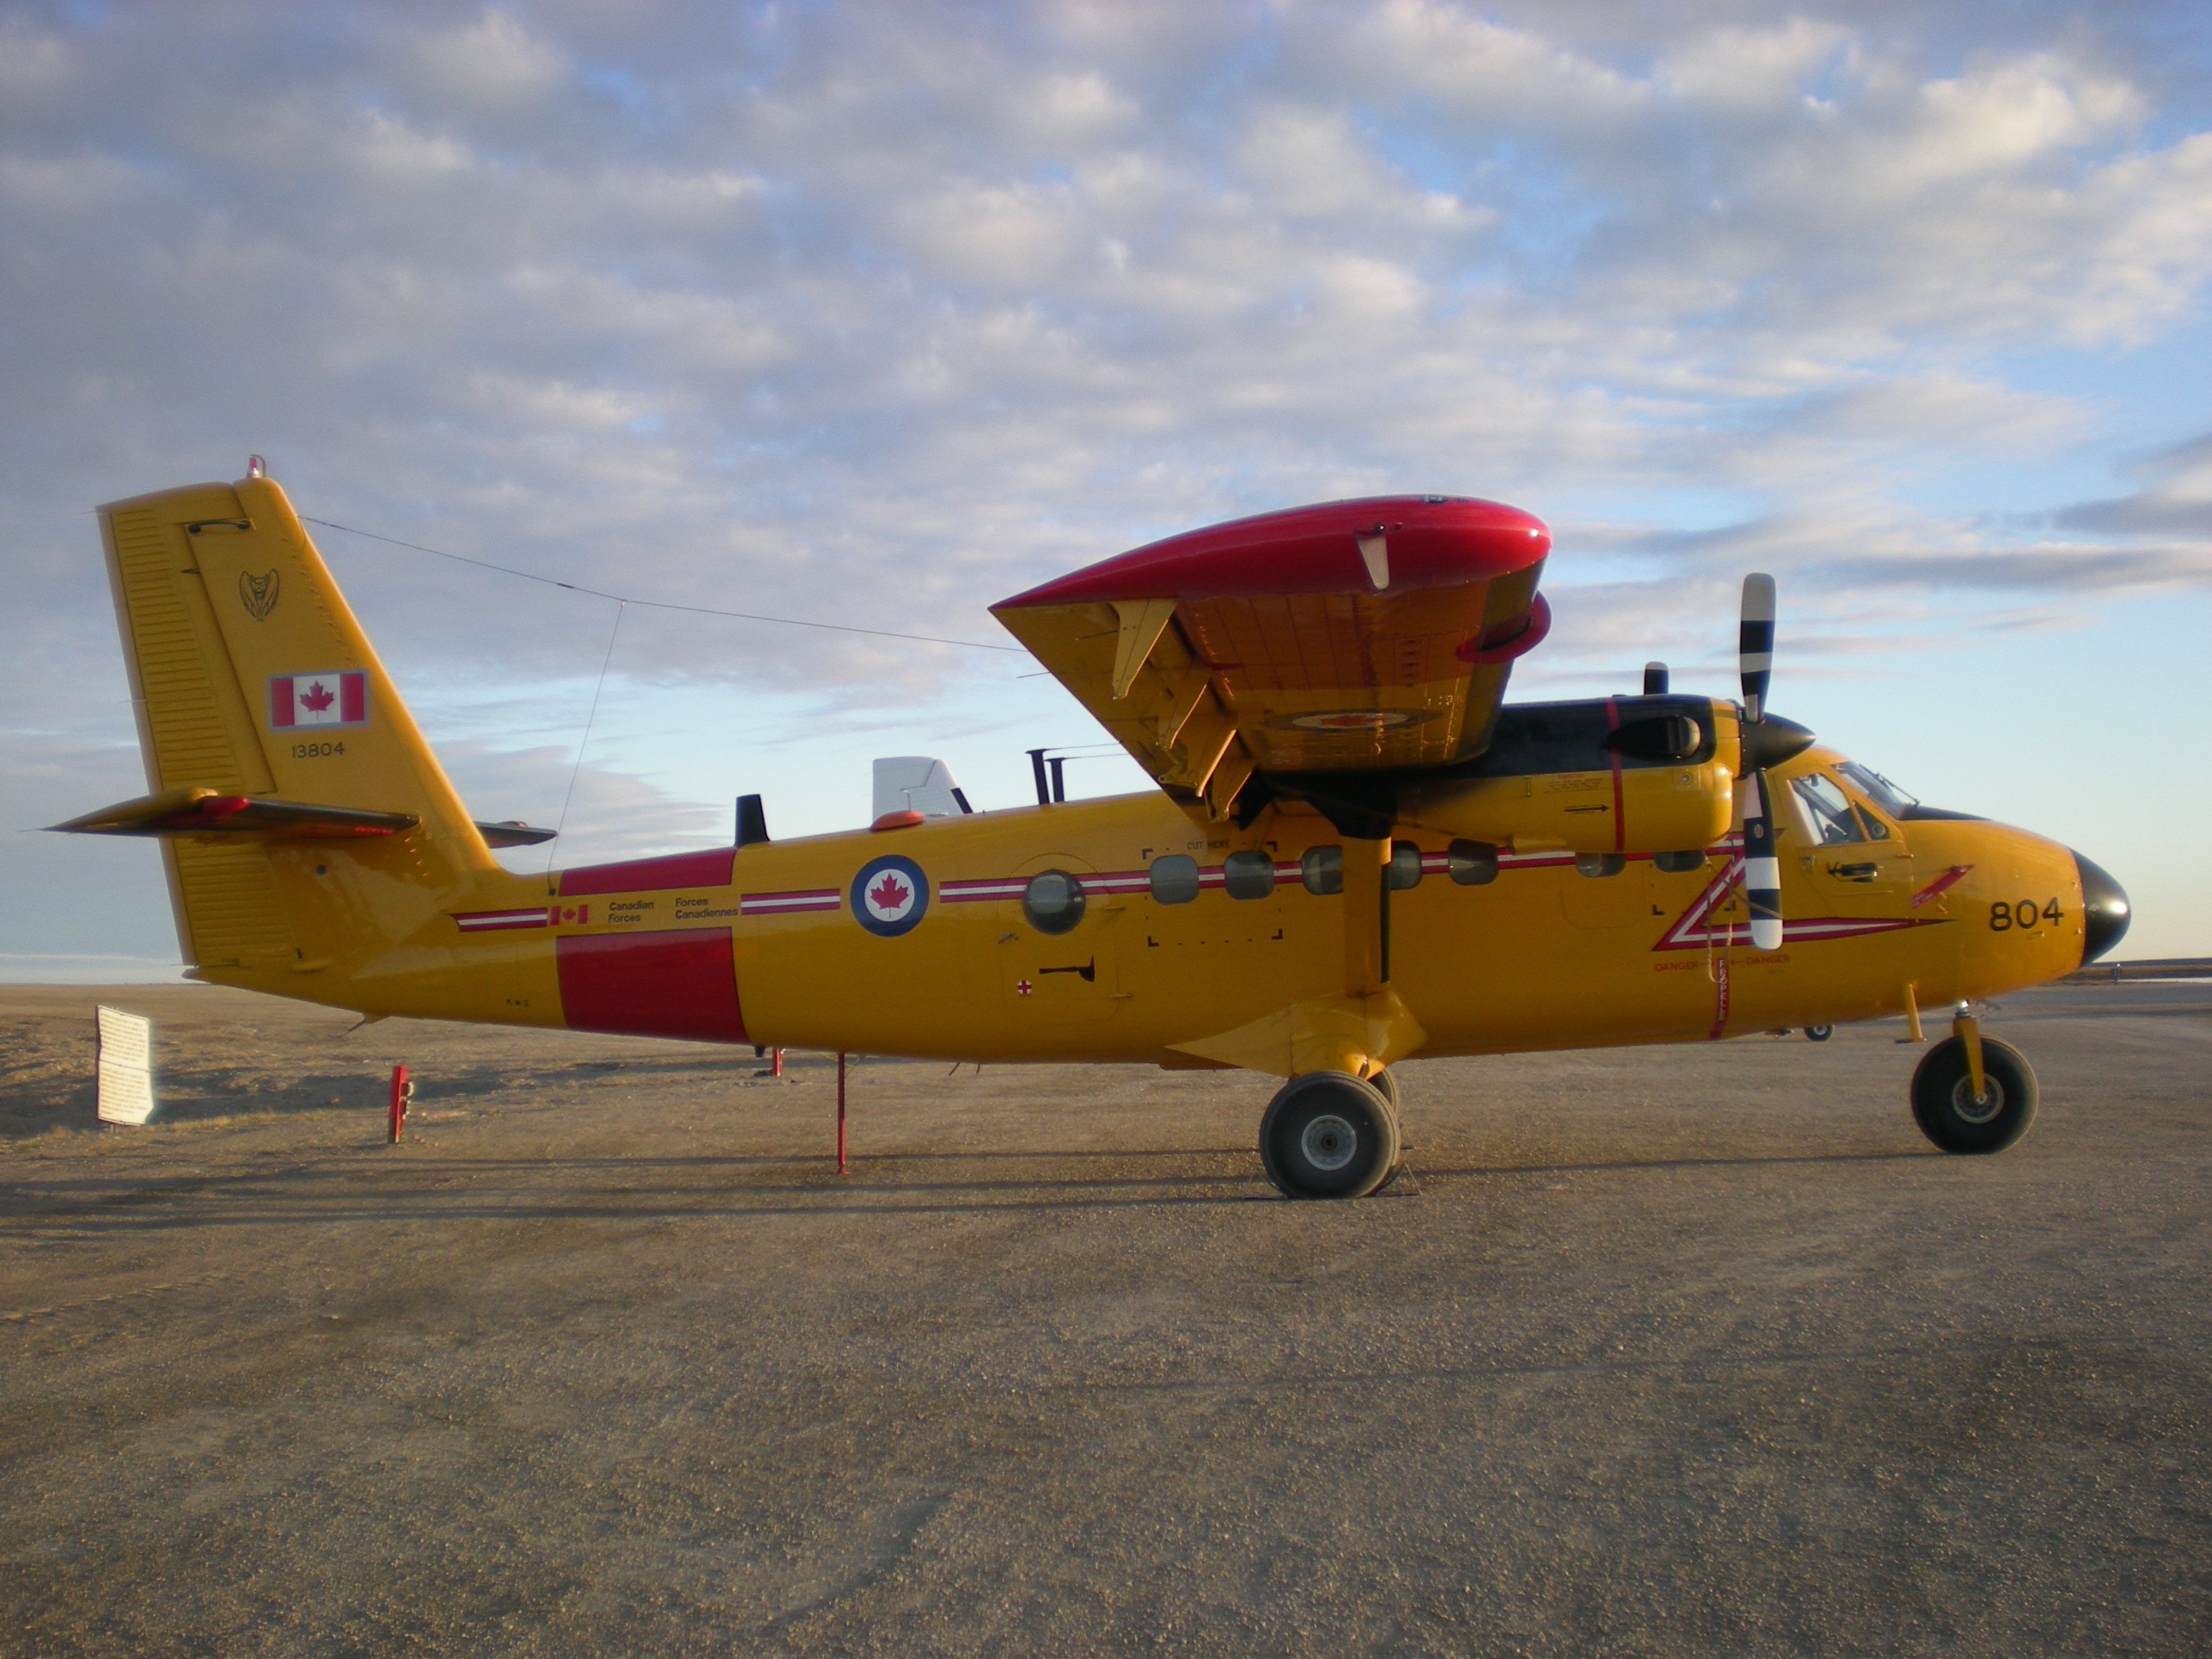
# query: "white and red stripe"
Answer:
x=972 y=892
x=493 y=921
x=793 y=903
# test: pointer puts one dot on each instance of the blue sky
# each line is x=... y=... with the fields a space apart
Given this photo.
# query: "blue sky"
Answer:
x=879 y=313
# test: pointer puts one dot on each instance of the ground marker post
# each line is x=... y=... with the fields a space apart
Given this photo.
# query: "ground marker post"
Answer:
x=775 y=1065
x=403 y=1091
x=840 y=1111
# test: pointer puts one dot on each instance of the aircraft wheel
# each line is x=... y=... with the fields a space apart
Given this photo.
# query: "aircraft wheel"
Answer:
x=1819 y=1033
x=1328 y=1134
x=1944 y=1106
x=1385 y=1084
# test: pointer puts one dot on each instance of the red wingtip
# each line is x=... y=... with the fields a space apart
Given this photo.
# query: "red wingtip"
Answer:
x=1434 y=541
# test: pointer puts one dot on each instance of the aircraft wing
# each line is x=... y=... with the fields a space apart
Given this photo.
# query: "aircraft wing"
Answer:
x=1358 y=636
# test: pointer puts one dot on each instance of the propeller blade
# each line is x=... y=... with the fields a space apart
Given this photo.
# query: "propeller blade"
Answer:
x=1755 y=643
x=1654 y=679
x=1762 y=871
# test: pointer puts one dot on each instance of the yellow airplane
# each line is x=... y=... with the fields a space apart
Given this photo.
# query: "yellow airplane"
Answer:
x=1357 y=854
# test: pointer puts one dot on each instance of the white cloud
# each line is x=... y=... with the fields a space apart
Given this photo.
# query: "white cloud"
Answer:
x=880 y=314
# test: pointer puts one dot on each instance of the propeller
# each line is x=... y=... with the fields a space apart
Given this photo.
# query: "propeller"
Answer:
x=1762 y=871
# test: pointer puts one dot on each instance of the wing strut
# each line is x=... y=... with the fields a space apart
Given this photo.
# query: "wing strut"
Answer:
x=1366 y=917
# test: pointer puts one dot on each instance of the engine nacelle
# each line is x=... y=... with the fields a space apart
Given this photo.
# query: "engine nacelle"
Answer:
x=1610 y=774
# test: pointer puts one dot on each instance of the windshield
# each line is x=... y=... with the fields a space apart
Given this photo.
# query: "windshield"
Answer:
x=1878 y=789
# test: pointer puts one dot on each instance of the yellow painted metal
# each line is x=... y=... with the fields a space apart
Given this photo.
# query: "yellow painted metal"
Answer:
x=1968 y=1030
x=1142 y=622
x=1305 y=682
x=1283 y=982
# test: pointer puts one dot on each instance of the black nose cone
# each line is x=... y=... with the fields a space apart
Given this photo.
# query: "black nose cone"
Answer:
x=2104 y=910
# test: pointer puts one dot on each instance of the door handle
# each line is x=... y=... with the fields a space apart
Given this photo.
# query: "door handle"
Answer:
x=1089 y=970
x=1851 y=871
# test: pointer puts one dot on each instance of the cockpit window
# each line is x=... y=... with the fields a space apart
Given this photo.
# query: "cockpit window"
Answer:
x=1897 y=802
x=1828 y=809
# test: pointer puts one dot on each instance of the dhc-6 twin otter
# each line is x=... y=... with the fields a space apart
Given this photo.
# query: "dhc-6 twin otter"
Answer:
x=1357 y=854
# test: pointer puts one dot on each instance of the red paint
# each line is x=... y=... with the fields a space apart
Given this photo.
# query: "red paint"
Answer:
x=1315 y=549
x=666 y=984
x=902 y=820
x=1942 y=883
x=402 y=1092
x=710 y=869
x=1519 y=645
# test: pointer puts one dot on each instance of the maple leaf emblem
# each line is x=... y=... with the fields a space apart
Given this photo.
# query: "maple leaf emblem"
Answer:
x=316 y=697
x=889 y=893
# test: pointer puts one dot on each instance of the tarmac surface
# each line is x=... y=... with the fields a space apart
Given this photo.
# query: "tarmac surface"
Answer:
x=1684 y=1350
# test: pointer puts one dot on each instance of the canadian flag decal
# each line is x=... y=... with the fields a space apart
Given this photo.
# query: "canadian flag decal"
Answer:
x=336 y=697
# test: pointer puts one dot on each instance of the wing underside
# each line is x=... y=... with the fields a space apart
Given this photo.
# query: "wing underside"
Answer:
x=1358 y=637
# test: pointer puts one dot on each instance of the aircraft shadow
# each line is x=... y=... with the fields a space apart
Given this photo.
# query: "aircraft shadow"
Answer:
x=275 y=1197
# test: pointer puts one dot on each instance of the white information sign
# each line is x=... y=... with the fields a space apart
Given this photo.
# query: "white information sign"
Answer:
x=126 y=1067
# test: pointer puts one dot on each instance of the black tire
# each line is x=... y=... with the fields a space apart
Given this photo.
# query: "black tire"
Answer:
x=1819 y=1033
x=1328 y=1135
x=1944 y=1106
x=1385 y=1084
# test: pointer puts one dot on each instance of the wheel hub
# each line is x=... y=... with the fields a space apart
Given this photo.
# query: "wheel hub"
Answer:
x=1328 y=1142
x=1970 y=1110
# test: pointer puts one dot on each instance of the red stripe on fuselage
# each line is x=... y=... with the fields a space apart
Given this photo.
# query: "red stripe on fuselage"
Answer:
x=664 y=985
x=708 y=869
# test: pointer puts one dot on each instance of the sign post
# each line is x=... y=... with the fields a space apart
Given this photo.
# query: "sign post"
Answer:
x=402 y=1092
x=126 y=1067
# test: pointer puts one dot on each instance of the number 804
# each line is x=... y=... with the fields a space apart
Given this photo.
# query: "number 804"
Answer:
x=2024 y=913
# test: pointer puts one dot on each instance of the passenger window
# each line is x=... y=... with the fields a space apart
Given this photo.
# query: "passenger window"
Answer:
x=1053 y=901
x=1322 y=868
x=1829 y=809
x=1405 y=864
x=1249 y=875
x=1471 y=863
x=1601 y=864
x=1174 y=878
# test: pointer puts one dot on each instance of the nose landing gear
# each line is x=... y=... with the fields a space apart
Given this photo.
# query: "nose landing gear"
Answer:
x=1328 y=1134
x=1957 y=1118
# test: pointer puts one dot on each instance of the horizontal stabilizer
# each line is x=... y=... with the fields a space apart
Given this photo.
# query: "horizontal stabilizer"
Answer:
x=208 y=811
x=510 y=832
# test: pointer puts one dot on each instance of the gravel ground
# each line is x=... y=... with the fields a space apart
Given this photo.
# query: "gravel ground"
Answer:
x=1686 y=1350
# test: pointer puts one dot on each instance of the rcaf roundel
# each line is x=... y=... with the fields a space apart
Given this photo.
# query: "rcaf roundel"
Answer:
x=334 y=696
x=890 y=896
x=1352 y=719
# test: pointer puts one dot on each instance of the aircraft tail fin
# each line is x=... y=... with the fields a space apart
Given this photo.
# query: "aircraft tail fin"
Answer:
x=252 y=682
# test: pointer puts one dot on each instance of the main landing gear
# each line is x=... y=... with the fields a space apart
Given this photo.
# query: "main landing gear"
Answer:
x=1328 y=1134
